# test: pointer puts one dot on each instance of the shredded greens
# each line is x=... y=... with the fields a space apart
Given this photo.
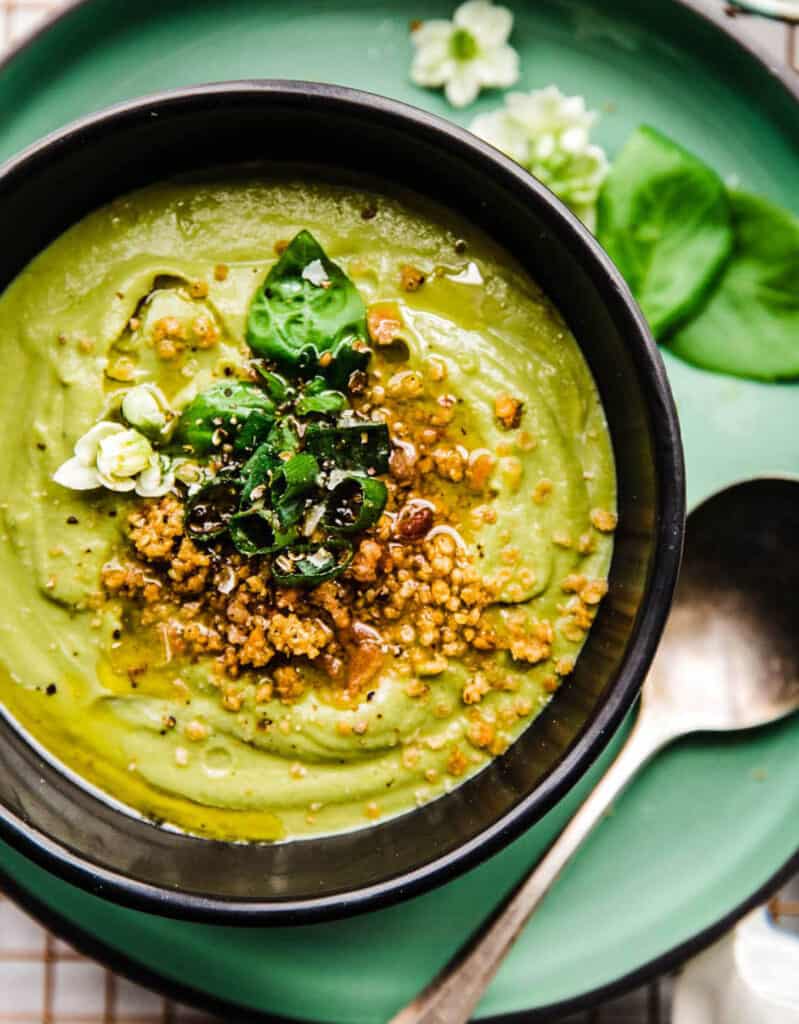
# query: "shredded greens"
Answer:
x=299 y=468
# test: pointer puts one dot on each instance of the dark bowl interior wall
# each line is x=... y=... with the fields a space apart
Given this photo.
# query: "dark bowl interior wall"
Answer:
x=56 y=186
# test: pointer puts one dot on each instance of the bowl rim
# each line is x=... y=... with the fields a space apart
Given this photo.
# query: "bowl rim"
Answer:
x=671 y=504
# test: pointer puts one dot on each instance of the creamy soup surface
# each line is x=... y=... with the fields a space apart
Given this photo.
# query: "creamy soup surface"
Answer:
x=308 y=504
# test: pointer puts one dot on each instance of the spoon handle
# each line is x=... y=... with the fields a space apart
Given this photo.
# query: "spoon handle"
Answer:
x=454 y=993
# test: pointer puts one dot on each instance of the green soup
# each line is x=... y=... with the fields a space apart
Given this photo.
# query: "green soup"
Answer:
x=177 y=674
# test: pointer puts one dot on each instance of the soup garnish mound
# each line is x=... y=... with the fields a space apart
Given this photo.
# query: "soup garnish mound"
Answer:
x=310 y=494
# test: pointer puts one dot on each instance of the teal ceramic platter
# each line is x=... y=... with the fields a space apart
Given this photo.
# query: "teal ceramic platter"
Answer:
x=713 y=824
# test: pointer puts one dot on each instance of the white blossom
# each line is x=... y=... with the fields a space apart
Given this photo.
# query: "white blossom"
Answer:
x=80 y=472
x=549 y=134
x=157 y=479
x=467 y=54
x=145 y=407
x=122 y=456
x=119 y=459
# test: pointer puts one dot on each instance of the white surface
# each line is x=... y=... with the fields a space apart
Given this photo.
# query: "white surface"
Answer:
x=750 y=977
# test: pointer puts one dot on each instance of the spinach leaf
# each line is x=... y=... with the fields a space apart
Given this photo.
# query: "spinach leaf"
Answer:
x=664 y=218
x=306 y=307
x=236 y=412
x=750 y=325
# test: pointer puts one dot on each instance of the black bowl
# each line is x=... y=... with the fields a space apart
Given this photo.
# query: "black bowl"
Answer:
x=48 y=814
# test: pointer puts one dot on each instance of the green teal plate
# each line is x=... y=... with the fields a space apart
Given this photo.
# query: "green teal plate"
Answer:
x=713 y=823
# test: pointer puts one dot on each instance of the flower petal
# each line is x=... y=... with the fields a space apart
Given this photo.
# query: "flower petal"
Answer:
x=437 y=31
x=157 y=479
x=86 y=447
x=489 y=24
x=115 y=483
x=498 y=68
x=503 y=132
x=77 y=476
x=145 y=407
x=432 y=69
x=463 y=86
x=123 y=455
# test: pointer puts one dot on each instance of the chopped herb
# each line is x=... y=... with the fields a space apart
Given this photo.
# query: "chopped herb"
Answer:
x=209 y=510
x=361 y=446
x=355 y=503
x=307 y=566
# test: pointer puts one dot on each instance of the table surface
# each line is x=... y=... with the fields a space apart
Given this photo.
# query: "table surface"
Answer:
x=44 y=981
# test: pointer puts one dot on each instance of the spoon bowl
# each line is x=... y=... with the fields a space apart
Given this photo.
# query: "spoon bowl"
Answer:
x=729 y=660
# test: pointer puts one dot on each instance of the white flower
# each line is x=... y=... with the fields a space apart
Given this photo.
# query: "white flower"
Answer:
x=548 y=133
x=145 y=407
x=121 y=456
x=80 y=472
x=467 y=54
x=157 y=478
x=121 y=460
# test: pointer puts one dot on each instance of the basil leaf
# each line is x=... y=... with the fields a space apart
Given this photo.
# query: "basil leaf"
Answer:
x=355 y=503
x=236 y=412
x=664 y=219
x=750 y=325
x=347 y=359
x=307 y=306
x=363 y=446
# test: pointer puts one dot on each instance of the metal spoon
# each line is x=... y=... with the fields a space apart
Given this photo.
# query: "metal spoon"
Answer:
x=729 y=659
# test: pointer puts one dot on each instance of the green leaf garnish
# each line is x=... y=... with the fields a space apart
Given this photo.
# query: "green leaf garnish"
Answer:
x=317 y=398
x=291 y=484
x=229 y=412
x=306 y=307
x=256 y=531
x=211 y=508
x=283 y=437
x=355 y=503
x=308 y=566
x=360 y=446
x=750 y=325
x=664 y=219
x=277 y=387
x=256 y=474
